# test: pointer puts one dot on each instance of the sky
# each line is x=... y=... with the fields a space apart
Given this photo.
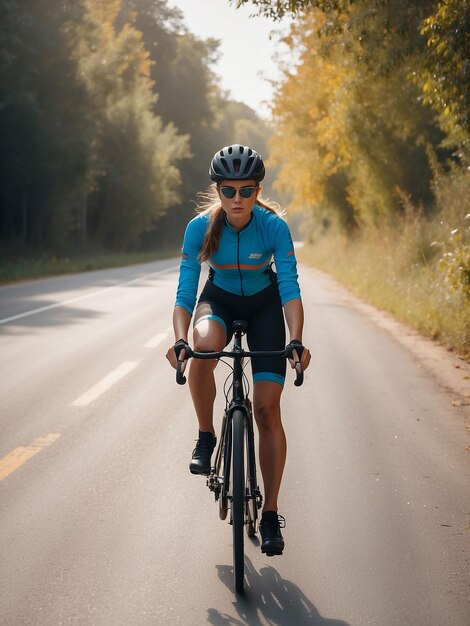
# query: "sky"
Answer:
x=246 y=51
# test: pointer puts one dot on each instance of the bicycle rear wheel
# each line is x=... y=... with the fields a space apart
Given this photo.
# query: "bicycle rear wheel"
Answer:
x=238 y=496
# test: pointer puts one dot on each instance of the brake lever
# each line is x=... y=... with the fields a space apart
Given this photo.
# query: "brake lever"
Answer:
x=180 y=378
x=299 y=378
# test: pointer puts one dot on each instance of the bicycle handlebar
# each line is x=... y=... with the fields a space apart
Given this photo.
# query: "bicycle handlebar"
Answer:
x=181 y=379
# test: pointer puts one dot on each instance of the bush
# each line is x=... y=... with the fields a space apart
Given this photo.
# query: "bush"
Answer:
x=416 y=268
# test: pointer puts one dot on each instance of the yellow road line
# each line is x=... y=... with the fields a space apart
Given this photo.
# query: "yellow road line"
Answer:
x=17 y=457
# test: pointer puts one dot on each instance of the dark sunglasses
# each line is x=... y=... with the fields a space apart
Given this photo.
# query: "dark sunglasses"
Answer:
x=245 y=192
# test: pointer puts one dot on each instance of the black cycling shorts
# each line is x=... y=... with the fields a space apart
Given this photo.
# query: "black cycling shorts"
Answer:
x=266 y=328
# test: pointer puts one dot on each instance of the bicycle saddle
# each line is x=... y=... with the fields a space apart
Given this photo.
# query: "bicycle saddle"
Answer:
x=240 y=325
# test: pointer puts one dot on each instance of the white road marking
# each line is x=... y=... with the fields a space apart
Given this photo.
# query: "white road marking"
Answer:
x=105 y=384
x=155 y=341
x=84 y=296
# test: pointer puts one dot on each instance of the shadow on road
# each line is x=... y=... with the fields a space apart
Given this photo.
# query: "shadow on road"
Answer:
x=268 y=598
x=57 y=315
x=23 y=300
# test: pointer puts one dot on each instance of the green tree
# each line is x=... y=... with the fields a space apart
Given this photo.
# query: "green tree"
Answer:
x=277 y=9
x=190 y=98
x=446 y=74
x=180 y=65
x=40 y=154
x=95 y=127
x=135 y=156
x=350 y=133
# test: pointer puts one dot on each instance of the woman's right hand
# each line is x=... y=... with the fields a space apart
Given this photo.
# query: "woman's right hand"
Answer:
x=178 y=351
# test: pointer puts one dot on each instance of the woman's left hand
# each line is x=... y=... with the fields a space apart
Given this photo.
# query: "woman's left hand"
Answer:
x=299 y=363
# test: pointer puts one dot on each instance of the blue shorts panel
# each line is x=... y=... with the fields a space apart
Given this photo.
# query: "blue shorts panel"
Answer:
x=210 y=316
x=270 y=377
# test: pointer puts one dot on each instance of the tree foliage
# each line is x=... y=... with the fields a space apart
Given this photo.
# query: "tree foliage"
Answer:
x=446 y=73
x=190 y=99
x=435 y=34
x=109 y=113
x=277 y=9
x=351 y=129
x=40 y=148
x=355 y=119
x=135 y=177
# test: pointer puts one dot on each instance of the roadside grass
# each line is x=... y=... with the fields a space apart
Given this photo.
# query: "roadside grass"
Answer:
x=26 y=267
x=416 y=269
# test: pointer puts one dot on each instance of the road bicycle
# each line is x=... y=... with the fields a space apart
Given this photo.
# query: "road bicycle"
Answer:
x=232 y=478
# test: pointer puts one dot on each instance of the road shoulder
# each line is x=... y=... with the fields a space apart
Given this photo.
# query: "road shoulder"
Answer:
x=449 y=369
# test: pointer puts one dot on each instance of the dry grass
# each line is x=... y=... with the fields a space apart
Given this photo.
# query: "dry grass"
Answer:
x=417 y=269
x=14 y=268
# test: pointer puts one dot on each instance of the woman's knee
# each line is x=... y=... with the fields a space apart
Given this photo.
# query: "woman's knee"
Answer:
x=208 y=336
x=206 y=344
x=210 y=341
x=268 y=415
x=267 y=404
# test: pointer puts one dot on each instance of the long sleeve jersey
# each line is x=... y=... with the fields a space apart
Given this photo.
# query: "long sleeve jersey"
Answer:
x=240 y=263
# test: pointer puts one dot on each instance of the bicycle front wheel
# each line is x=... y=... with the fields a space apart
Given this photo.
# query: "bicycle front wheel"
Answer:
x=238 y=496
x=253 y=495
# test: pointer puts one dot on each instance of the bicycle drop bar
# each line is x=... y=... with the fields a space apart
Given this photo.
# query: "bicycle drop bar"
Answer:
x=233 y=354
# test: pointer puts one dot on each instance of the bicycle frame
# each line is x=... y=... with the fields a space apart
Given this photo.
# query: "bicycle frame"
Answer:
x=224 y=449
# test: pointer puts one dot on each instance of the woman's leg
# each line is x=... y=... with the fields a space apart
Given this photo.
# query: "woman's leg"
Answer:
x=209 y=335
x=266 y=331
x=272 y=439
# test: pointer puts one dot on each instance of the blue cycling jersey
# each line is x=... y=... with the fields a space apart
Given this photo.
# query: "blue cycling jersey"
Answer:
x=242 y=259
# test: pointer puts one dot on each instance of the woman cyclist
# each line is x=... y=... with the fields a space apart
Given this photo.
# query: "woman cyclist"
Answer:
x=237 y=235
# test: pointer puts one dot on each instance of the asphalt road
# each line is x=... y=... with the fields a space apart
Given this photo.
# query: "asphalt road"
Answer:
x=102 y=524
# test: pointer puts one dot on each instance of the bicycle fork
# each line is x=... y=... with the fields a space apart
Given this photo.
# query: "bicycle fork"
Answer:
x=220 y=485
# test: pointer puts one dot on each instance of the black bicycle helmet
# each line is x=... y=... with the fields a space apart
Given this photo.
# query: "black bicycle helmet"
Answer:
x=236 y=162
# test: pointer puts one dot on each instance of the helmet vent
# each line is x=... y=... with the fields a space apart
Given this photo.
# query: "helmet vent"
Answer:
x=225 y=164
x=236 y=165
x=249 y=164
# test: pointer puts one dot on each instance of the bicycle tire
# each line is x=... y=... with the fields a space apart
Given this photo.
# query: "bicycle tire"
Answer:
x=252 y=490
x=226 y=460
x=238 y=496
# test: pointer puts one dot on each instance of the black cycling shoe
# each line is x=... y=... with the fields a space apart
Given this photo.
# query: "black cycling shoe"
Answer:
x=272 y=542
x=201 y=458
